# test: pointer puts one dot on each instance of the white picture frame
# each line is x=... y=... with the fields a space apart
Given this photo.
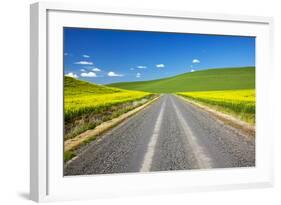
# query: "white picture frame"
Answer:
x=46 y=161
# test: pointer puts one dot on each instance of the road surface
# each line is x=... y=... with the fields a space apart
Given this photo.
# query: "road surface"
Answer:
x=170 y=134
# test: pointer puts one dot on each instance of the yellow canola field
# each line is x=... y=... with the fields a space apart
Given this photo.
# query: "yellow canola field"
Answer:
x=241 y=103
x=76 y=105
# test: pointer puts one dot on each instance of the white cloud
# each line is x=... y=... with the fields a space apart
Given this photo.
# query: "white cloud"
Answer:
x=141 y=66
x=192 y=70
x=66 y=54
x=132 y=69
x=84 y=63
x=82 y=70
x=138 y=75
x=73 y=75
x=113 y=74
x=195 y=61
x=88 y=75
x=86 y=56
x=96 y=69
x=160 y=65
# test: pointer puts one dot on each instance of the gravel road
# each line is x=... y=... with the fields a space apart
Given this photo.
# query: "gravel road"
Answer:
x=170 y=134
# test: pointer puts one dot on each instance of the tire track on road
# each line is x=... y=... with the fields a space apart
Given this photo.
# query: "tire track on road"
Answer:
x=203 y=160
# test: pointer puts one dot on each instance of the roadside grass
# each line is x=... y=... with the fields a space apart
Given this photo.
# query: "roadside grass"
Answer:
x=68 y=155
x=239 y=103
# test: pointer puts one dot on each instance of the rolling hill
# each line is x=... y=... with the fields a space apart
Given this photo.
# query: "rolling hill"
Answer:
x=74 y=86
x=205 y=80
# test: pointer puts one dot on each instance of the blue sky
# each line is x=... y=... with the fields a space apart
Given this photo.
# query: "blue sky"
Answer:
x=108 y=56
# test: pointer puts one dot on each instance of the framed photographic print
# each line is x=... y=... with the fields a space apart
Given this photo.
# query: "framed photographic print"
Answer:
x=127 y=101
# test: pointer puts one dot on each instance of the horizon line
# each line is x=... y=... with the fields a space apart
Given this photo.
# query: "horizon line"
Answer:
x=248 y=66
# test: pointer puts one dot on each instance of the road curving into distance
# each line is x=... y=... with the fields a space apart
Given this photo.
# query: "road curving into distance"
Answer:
x=171 y=134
